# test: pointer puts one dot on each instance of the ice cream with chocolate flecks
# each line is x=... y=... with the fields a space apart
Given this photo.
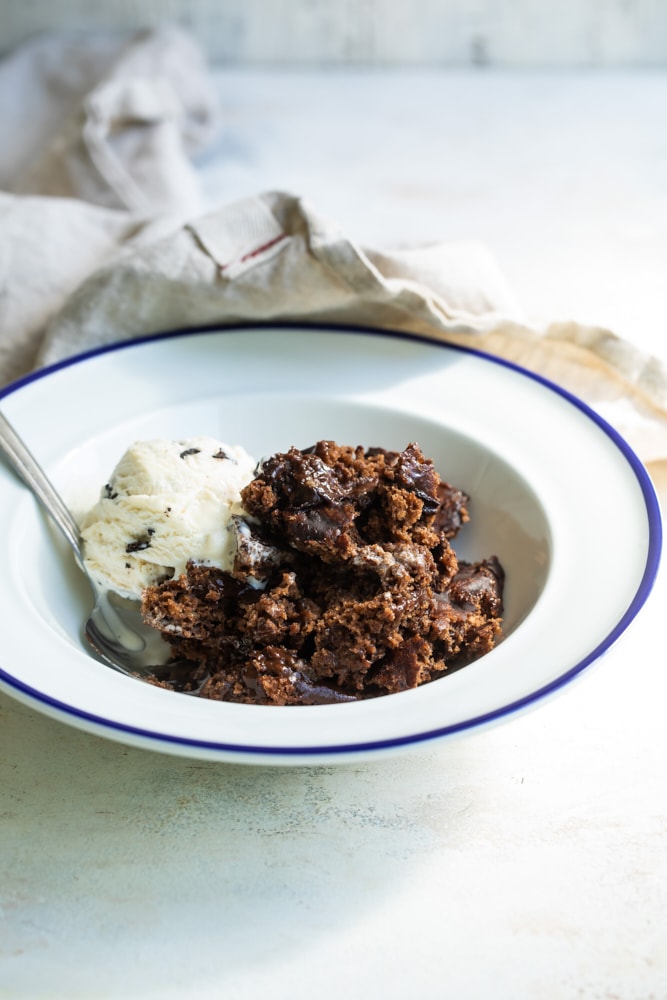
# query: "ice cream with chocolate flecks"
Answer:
x=166 y=503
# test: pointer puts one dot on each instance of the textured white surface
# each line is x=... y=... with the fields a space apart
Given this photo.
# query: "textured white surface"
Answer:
x=528 y=861
x=382 y=32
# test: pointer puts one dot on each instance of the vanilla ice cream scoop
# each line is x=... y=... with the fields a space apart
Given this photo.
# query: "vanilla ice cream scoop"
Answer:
x=166 y=502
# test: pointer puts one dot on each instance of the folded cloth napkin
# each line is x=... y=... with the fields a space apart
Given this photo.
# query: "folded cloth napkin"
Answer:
x=112 y=119
x=74 y=275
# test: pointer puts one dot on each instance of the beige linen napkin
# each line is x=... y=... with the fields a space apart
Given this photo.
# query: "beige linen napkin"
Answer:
x=75 y=275
x=111 y=119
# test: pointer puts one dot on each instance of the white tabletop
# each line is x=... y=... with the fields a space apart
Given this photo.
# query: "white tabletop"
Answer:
x=528 y=860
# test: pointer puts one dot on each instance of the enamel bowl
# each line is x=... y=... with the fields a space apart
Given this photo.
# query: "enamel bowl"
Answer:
x=550 y=485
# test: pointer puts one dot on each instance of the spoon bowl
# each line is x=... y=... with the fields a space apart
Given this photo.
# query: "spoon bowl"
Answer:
x=114 y=629
x=119 y=637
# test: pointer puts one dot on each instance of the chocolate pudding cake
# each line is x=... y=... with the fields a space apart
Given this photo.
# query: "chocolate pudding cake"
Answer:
x=344 y=585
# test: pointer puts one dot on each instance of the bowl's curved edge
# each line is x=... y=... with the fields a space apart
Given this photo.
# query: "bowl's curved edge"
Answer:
x=344 y=751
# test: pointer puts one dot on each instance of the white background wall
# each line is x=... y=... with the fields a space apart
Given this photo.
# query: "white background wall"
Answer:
x=521 y=33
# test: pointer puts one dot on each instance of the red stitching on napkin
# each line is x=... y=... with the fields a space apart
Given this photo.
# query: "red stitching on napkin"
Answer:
x=257 y=251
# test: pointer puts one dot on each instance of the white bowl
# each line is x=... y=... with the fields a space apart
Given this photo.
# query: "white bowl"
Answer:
x=550 y=483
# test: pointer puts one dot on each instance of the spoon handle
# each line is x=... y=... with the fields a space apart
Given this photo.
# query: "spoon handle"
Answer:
x=28 y=468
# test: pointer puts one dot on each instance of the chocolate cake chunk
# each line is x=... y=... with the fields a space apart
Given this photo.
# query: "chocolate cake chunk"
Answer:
x=452 y=512
x=344 y=586
x=466 y=620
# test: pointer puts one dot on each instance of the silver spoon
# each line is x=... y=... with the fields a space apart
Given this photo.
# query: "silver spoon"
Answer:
x=114 y=629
